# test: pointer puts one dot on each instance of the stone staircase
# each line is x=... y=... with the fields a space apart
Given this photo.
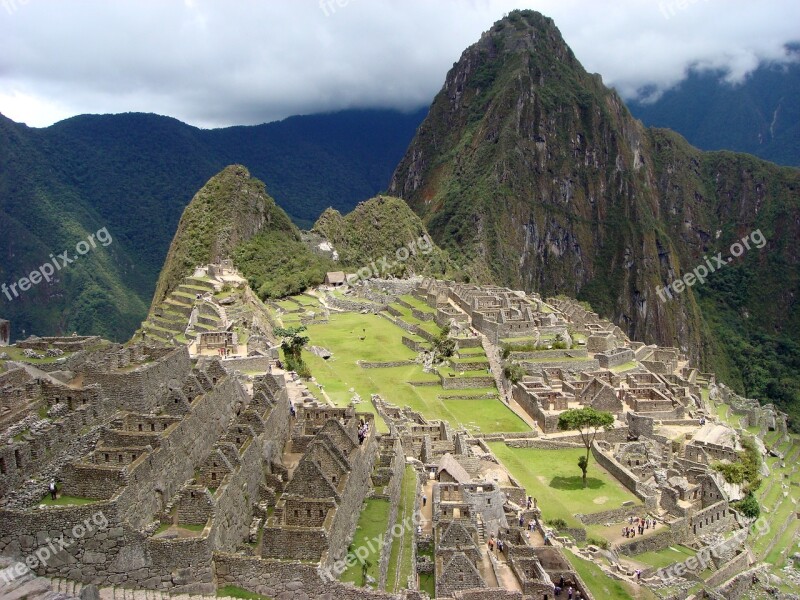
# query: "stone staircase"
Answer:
x=481 y=530
x=74 y=588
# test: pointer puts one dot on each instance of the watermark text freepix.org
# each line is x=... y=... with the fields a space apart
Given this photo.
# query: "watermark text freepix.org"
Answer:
x=373 y=546
x=716 y=262
x=42 y=555
x=699 y=562
x=56 y=264
x=383 y=266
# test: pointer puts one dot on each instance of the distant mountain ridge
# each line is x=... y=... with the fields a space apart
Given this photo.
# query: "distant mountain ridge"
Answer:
x=760 y=116
x=135 y=174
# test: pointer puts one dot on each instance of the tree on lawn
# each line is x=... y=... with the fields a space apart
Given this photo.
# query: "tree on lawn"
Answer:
x=588 y=422
x=292 y=344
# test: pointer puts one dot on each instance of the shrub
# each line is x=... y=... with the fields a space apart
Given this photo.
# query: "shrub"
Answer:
x=749 y=507
x=514 y=372
x=559 y=524
x=732 y=472
x=599 y=542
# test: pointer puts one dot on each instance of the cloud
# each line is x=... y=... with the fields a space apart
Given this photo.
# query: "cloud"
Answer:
x=213 y=62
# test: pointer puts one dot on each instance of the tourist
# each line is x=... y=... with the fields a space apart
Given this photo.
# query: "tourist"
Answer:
x=557 y=591
x=419 y=530
x=292 y=410
x=53 y=489
x=491 y=544
x=570 y=592
x=424 y=500
x=638 y=575
x=521 y=520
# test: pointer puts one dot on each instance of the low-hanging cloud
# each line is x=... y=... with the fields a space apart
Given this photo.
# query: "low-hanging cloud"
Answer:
x=214 y=63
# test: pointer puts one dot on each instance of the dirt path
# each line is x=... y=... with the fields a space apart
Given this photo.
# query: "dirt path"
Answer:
x=427 y=510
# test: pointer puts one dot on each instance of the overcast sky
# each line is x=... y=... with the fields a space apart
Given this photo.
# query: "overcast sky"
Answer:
x=214 y=63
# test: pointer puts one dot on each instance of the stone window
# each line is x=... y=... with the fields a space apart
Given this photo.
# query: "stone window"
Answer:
x=18 y=458
x=140 y=427
x=106 y=457
x=119 y=458
x=152 y=426
x=488 y=501
x=3 y=466
x=214 y=476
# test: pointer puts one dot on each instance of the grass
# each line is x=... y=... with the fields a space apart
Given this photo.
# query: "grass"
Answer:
x=66 y=501
x=382 y=342
x=784 y=546
x=625 y=367
x=372 y=523
x=18 y=354
x=418 y=304
x=553 y=477
x=602 y=586
x=666 y=557
x=400 y=559
x=236 y=592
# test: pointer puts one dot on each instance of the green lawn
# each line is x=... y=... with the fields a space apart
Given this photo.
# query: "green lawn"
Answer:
x=371 y=524
x=418 y=304
x=400 y=558
x=625 y=367
x=66 y=501
x=554 y=479
x=383 y=343
x=231 y=591
x=602 y=586
x=666 y=557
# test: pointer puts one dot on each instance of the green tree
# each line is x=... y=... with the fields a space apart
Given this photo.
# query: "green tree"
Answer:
x=749 y=506
x=444 y=346
x=589 y=422
x=292 y=344
x=514 y=372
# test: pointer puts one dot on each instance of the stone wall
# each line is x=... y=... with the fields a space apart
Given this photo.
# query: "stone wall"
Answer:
x=290 y=579
x=140 y=390
x=622 y=474
x=650 y=543
x=393 y=491
x=258 y=364
x=570 y=365
x=732 y=567
x=462 y=383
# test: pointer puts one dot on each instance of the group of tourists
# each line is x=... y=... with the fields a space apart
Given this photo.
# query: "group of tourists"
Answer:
x=363 y=430
x=639 y=524
x=495 y=545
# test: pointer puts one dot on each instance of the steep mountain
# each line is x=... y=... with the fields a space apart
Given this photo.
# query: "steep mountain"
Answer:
x=232 y=216
x=135 y=173
x=230 y=212
x=538 y=177
x=760 y=115
x=386 y=233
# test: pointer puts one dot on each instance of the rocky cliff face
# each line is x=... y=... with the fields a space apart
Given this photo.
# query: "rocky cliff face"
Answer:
x=537 y=176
